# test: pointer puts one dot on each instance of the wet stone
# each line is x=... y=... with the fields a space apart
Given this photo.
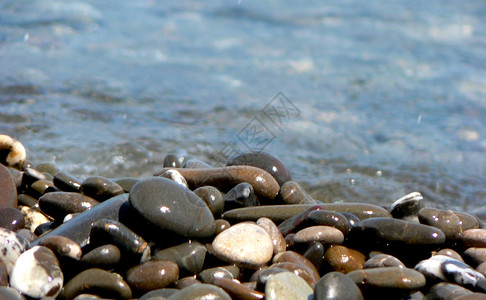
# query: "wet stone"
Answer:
x=47 y=168
x=211 y=274
x=329 y=218
x=448 y=291
x=186 y=281
x=11 y=218
x=447 y=221
x=299 y=270
x=59 y=204
x=172 y=161
x=237 y=290
x=336 y=286
x=293 y=193
x=98 y=282
x=12 y=246
x=279 y=244
x=170 y=206
x=242 y=195
x=174 y=175
x=468 y=221
x=188 y=256
x=245 y=244
x=159 y=294
x=212 y=197
x=286 y=286
x=388 y=278
x=450 y=253
x=475 y=255
x=407 y=207
x=26 y=200
x=126 y=182
x=12 y=152
x=8 y=192
x=8 y=293
x=195 y=164
x=265 y=161
x=40 y=187
x=221 y=225
x=113 y=232
x=200 y=291
x=152 y=275
x=66 y=182
x=100 y=188
x=36 y=273
x=104 y=257
x=474 y=238
x=323 y=234
x=262 y=275
x=296 y=258
x=315 y=254
x=383 y=261
x=343 y=259
x=62 y=246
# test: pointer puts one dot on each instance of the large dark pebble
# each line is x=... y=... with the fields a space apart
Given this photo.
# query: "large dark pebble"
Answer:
x=59 y=204
x=100 y=188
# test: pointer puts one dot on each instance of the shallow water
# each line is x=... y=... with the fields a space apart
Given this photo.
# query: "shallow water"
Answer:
x=382 y=98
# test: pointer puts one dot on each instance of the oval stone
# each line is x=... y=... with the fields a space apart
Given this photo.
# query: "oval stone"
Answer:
x=474 y=237
x=383 y=261
x=200 y=291
x=475 y=255
x=388 y=278
x=336 y=286
x=100 y=188
x=59 y=204
x=189 y=256
x=12 y=246
x=287 y=286
x=237 y=290
x=245 y=244
x=12 y=152
x=104 y=257
x=323 y=234
x=212 y=197
x=170 y=206
x=279 y=244
x=152 y=275
x=407 y=207
x=11 y=218
x=447 y=221
x=293 y=193
x=62 y=246
x=343 y=259
x=36 y=273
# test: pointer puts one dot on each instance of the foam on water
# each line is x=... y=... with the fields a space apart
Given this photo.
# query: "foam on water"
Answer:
x=391 y=95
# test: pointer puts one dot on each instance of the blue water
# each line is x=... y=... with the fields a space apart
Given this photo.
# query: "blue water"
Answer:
x=386 y=98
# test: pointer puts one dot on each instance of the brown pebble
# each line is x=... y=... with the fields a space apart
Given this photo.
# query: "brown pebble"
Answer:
x=62 y=246
x=475 y=255
x=11 y=218
x=298 y=270
x=8 y=192
x=221 y=225
x=153 y=275
x=343 y=259
x=474 y=238
x=450 y=253
x=279 y=244
x=186 y=281
x=237 y=290
x=383 y=260
x=323 y=234
x=296 y=258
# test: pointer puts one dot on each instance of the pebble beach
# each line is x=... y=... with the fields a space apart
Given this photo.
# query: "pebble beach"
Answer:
x=245 y=230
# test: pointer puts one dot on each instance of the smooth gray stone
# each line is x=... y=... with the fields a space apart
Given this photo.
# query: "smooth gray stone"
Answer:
x=79 y=228
x=188 y=256
x=100 y=188
x=336 y=286
x=200 y=291
x=59 y=204
x=383 y=260
x=170 y=206
x=209 y=275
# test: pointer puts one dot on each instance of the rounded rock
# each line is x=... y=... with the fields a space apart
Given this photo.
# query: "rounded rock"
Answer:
x=343 y=259
x=323 y=234
x=59 y=204
x=152 y=275
x=286 y=286
x=12 y=152
x=62 y=246
x=382 y=261
x=279 y=244
x=388 y=278
x=169 y=206
x=244 y=244
x=104 y=257
x=36 y=273
x=11 y=218
x=12 y=246
x=189 y=256
x=100 y=188
x=212 y=197
x=293 y=193
x=336 y=286
x=474 y=238
x=447 y=221
x=200 y=291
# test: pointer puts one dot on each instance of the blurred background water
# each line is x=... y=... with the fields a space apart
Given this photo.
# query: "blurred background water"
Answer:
x=391 y=95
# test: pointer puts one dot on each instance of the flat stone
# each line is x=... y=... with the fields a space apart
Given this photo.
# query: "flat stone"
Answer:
x=62 y=246
x=336 y=286
x=323 y=234
x=237 y=290
x=36 y=273
x=265 y=161
x=474 y=237
x=279 y=244
x=99 y=282
x=8 y=192
x=100 y=188
x=296 y=258
x=189 y=256
x=245 y=244
x=11 y=218
x=12 y=246
x=59 y=204
x=286 y=286
x=279 y=213
x=292 y=192
x=343 y=259
x=200 y=291
x=328 y=218
x=225 y=178
x=383 y=261
x=211 y=274
x=388 y=278
x=152 y=275
x=169 y=206
x=447 y=221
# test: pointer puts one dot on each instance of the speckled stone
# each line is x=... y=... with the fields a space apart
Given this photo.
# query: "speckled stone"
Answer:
x=169 y=206
x=286 y=286
x=11 y=218
x=12 y=246
x=36 y=273
x=336 y=286
x=279 y=244
x=62 y=246
x=99 y=282
x=33 y=217
x=12 y=152
x=293 y=193
x=382 y=261
x=447 y=221
x=212 y=197
x=474 y=238
x=343 y=259
x=323 y=234
x=59 y=204
x=265 y=161
x=100 y=188
x=189 y=256
x=245 y=244
x=152 y=275
x=200 y=291
x=8 y=192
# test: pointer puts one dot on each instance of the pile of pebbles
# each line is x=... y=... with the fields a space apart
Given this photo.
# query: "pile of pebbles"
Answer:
x=244 y=231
